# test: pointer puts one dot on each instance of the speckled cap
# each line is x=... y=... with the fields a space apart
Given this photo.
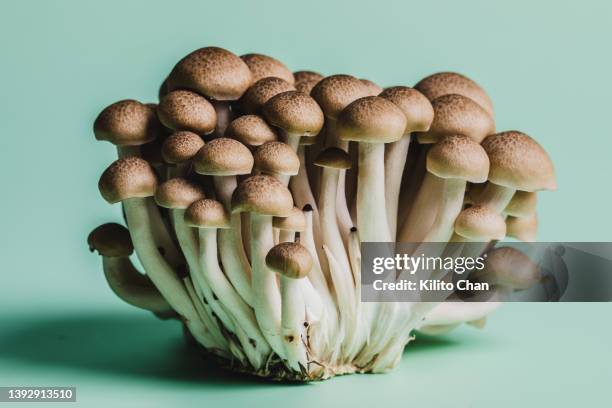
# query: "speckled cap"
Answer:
x=519 y=162
x=306 y=80
x=251 y=130
x=333 y=157
x=263 y=66
x=186 y=110
x=111 y=240
x=178 y=193
x=336 y=92
x=458 y=157
x=480 y=224
x=213 y=72
x=507 y=266
x=289 y=259
x=125 y=178
x=276 y=158
x=371 y=120
x=523 y=204
x=456 y=114
x=295 y=221
x=180 y=147
x=294 y=112
x=127 y=123
x=223 y=157
x=444 y=83
x=261 y=91
x=263 y=195
x=417 y=108
x=207 y=213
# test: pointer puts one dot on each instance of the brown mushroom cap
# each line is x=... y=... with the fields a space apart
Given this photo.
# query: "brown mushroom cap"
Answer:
x=480 y=224
x=207 y=213
x=263 y=195
x=456 y=114
x=180 y=147
x=111 y=240
x=523 y=228
x=178 y=193
x=213 y=72
x=294 y=112
x=125 y=178
x=458 y=157
x=417 y=108
x=261 y=91
x=333 y=157
x=223 y=157
x=186 y=110
x=336 y=92
x=289 y=259
x=373 y=88
x=250 y=130
x=127 y=123
x=519 y=162
x=295 y=221
x=276 y=158
x=306 y=80
x=371 y=120
x=509 y=267
x=263 y=66
x=523 y=204
x=444 y=83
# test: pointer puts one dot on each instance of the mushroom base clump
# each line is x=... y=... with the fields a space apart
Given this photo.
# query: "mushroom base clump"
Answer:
x=248 y=190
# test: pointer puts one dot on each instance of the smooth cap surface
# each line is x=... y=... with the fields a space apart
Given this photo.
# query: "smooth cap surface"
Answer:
x=213 y=72
x=207 y=213
x=263 y=66
x=251 y=130
x=289 y=259
x=276 y=158
x=373 y=88
x=458 y=157
x=333 y=157
x=371 y=120
x=480 y=224
x=261 y=91
x=306 y=80
x=125 y=178
x=223 y=157
x=518 y=161
x=336 y=92
x=294 y=112
x=417 y=108
x=263 y=195
x=295 y=221
x=180 y=147
x=186 y=110
x=127 y=123
x=178 y=193
x=112 y=240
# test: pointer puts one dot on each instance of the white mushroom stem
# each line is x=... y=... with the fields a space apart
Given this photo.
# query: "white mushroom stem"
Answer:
x=423 y=211
x=233 y=256
x=395 y=160
x=363 y=311
x=254 y=344
x=267 y=300
x=449 y=208
x=132 y=286
x=293 y=317
x=224 y=116
x=188 y=243
x=160 y=272
x=496 y=197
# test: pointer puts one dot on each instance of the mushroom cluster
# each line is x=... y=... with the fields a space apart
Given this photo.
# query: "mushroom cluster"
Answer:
x=248 y=189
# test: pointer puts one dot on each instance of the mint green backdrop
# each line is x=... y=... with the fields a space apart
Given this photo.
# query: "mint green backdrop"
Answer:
x=546 y=64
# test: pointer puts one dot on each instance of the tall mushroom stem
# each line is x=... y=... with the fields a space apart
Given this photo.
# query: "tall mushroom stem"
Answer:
x=496 y=197
x=423 y=211
x=395 y=160
x=450 y=207
x=371 y=211
x=293 y=317
x=224 y=116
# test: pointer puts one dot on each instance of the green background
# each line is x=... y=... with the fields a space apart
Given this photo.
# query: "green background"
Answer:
x=546 y=64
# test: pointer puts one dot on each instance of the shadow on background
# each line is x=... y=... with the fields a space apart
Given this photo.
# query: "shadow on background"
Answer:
x=132 y=346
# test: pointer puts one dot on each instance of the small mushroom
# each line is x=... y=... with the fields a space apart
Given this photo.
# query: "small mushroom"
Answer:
x=263 y=66
x=277 y=159
x=508 y=268
x=306 y=80
x=261 y=91
x=250 y=130
x=523 y=228
x=186 y=110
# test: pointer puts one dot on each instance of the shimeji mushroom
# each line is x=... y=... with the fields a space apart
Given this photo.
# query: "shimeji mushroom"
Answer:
x=373 y=88
x=113 y=243
x=208 y=216
x=264 y=197
x=261 y=91
x=444 y=83
x=215 y=73
x=517 y=163
x=186 y=110
x=419 y=115
x=263 y=66
x=522 y=204
x=277 y=159
x=250 y=130
x=178 y=150
x=508 y=269
x=225 y=159
x=306 y=80
x=522 y=228
x=453 y=115
x=292 y=262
